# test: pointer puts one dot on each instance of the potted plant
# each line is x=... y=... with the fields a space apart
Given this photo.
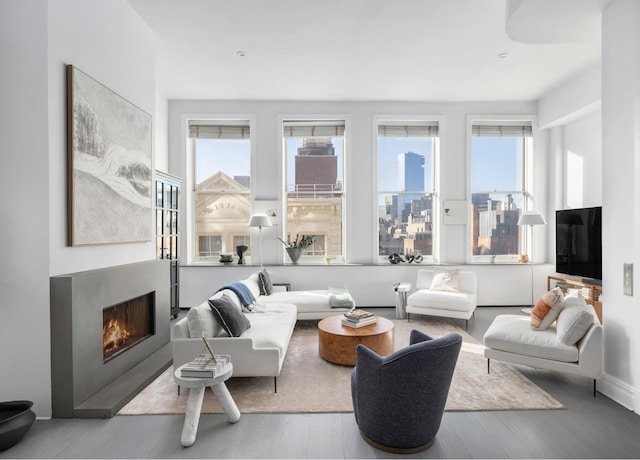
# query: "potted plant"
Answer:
x=296 y=247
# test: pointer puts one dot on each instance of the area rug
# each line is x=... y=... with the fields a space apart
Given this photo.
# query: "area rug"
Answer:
x=308 y=384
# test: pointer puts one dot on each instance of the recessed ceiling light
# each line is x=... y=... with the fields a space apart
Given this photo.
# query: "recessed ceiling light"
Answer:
x=241 y=53
x=503 y=55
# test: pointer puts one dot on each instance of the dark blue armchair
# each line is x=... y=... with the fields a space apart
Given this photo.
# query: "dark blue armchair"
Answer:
x=398 y=400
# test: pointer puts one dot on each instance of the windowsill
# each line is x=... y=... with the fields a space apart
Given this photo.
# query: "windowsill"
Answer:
x=344 y=264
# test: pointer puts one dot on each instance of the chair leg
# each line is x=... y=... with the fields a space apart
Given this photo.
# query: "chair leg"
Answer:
x=408 y=317
x=594 y=388
x=466 y=324
x=178 y=390
x=275 y=384
x=488 y=366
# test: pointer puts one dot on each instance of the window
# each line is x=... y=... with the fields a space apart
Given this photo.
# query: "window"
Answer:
x=314 y=159
x=221 y=153
x=499 y=153
x=406 y=152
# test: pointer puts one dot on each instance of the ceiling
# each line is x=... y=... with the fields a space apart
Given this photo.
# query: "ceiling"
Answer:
x=378 y=50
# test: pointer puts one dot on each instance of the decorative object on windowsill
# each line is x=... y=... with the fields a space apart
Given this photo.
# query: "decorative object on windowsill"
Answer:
x=523 y=258
x=417 y=258
x=531 y=219
x=296 y=247
x=260 y=219
x=226 y=258
x=398 y=258
x=327 y=259
x=493 y=259
x=241 y=249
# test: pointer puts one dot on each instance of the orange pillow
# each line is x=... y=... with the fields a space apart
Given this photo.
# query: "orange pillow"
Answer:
x=547 y=309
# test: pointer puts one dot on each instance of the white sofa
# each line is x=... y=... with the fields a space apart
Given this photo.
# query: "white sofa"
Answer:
x=314 y=304
x=511 y=338
x=260 y=350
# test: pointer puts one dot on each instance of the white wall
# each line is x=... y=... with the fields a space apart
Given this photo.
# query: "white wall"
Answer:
x=370 y=285
x=110 y=42
x=24 y=156
x=621 y=197
x=583 y=162
x=161 y=139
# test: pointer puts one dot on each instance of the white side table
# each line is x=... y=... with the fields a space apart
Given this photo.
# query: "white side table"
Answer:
x=196 y=396
x=401 y=299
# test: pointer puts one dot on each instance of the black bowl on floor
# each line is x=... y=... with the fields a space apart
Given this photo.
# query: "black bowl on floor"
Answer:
x=16 y=418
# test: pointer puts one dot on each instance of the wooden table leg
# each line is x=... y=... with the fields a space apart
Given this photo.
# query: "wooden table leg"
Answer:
x=192 y=416
x=227 y=402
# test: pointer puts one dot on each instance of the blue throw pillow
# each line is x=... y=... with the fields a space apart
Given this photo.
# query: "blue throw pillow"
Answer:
x=232 y=320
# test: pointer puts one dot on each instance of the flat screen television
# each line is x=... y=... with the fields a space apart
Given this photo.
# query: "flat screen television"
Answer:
x=579 y=242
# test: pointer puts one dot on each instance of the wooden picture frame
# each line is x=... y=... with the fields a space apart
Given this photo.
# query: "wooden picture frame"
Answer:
x=109 y=165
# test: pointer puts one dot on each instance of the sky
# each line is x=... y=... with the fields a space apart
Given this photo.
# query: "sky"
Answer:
x=495 y=162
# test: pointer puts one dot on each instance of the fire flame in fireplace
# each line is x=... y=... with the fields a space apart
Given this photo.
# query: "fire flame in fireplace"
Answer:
x=114 y=335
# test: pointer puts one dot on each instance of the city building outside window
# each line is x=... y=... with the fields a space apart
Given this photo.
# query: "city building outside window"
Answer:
x=406 y=198
x=499 y=189
x=221 y=158
x=314 y=153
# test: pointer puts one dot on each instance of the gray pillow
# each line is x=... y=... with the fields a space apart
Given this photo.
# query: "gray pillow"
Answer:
x=264 y=281
x=232 y=320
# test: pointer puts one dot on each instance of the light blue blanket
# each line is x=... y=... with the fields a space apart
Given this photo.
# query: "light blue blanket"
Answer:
x=243 y=293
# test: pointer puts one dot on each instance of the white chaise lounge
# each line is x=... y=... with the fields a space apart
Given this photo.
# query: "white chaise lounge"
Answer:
x=573 y=344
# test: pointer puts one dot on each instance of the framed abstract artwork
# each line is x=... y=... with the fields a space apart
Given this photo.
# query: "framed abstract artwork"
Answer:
x=109 y=165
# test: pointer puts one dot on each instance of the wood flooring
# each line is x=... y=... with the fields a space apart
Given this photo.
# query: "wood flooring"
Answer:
x=588 y=428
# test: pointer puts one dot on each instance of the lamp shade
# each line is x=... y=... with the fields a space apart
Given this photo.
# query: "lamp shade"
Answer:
x=531 y=218
x=260 y=219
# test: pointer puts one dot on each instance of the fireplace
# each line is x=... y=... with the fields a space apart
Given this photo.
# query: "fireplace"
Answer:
x=110 y=336
x=127 y=324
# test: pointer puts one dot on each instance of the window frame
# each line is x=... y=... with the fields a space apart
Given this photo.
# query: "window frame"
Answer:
x=526 y=176
x=435 y=181
x=283 y=186
x=191 y=240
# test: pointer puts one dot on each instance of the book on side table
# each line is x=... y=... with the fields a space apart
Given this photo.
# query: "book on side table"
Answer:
x=207 y=365
x=358 y=318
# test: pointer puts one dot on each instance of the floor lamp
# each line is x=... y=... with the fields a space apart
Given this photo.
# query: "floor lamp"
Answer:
x=260 y=220
x=531 y=219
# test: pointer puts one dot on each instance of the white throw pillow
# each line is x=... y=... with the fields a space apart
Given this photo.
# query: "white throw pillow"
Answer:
x=252 y=283
x=201 y=319
x=446 y=280
x=574 y=320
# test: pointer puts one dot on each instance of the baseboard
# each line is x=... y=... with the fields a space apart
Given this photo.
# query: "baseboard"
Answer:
x=619 y=391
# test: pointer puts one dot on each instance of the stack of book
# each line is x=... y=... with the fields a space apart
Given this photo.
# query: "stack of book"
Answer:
x=358 y=318
x=206 y=366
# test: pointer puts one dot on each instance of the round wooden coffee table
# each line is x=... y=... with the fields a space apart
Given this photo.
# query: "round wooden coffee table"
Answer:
x=338 y=343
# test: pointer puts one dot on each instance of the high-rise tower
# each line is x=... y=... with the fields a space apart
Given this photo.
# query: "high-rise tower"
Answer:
x=410 y=178
x=316 y=165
